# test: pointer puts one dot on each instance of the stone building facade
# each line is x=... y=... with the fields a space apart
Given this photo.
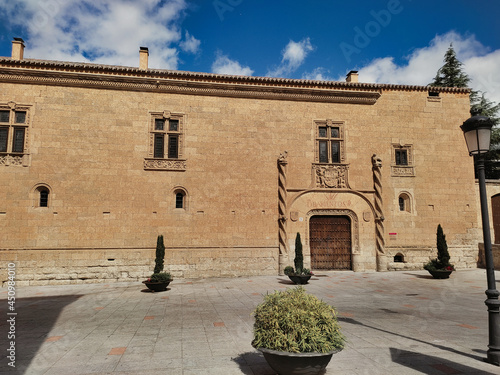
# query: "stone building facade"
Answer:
x=97 y=160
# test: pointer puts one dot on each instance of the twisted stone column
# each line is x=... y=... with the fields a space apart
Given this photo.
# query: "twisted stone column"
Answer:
x=282 y=212
x=379 y=214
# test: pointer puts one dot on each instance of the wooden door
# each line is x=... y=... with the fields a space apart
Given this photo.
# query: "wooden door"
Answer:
x=495 y=210
x=330 y=242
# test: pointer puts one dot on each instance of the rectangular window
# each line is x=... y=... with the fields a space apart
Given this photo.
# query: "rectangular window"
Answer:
x=159 y=146
x=4 y=136
x=159 y=124
x=335 y=152
x=18 y=141
x=323 y=151
x=401 y=157
x=329 y=142
x=20 y=117
x=4 y=116
x=14 y=133
x=173 y=146
x=173 y=125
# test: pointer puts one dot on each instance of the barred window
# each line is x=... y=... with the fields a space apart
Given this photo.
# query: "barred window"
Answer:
x=329 y=142
x=14 y=125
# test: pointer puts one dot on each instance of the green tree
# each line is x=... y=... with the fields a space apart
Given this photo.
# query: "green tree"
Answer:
x=451 y=74
x=160 y=254
x=299 y=258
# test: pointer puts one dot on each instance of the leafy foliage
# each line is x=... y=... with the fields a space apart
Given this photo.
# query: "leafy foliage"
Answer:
x=289 y=270
x=294 y=321
x=299 y=258
x=160 y=254
x=442 y=262
x=451 y=74
x=160 y=277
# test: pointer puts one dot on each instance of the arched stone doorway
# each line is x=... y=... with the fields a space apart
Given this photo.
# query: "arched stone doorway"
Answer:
x=330 y=242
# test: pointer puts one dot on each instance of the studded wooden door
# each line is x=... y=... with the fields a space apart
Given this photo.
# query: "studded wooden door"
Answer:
x=330 y=242
x=495 y=211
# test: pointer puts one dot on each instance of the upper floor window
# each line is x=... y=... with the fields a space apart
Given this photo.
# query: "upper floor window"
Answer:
x=402 y=164
x=166 y=141
x=14 y=122
x=329 y=142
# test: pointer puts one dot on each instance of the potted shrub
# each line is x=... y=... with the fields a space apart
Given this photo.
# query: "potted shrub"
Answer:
x=296 y=332
x=440 y=267
x=299 y=275
x=159 y=280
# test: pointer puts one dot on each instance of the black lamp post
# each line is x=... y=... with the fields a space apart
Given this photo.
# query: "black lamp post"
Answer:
x=477 y=132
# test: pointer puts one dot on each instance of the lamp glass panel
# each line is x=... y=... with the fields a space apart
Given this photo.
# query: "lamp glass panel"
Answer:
x=471 y=140
x=484 y=136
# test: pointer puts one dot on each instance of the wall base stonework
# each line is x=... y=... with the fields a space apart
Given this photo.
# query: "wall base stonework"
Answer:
x=495 y=248
x=79 y=266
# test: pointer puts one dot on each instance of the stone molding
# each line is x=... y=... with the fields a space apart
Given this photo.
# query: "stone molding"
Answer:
x=168 y=85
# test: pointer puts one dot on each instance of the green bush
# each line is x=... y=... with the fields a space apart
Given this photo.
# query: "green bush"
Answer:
x=289 y=270
x=442 y=262
x=160 y=254
x=299 y=258
x=294 y=321
x=160 y=277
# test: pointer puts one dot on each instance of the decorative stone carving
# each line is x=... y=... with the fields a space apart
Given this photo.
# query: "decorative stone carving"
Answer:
x=11 y=160
x=331 y=176
x=165 y=164
x=282 y=210
x=403 y=171
x=379 y=219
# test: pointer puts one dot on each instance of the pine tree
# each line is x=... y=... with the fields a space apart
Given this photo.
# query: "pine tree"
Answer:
x=160 y=254
x=442 y=248
x=299 y=258
x=451 y=73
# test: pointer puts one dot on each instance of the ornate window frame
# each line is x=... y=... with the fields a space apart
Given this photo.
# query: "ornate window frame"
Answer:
x=402 y=169
x=329 y=124
x=165 y=163
x=9 y=156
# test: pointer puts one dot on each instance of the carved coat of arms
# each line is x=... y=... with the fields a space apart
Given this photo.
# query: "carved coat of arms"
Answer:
x=332 y=176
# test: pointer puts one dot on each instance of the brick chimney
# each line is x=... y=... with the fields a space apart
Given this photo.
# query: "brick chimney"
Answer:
x=17 y=49
x=352 y=76
x=143 y=58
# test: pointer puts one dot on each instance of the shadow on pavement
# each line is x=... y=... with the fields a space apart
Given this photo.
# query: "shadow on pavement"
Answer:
x=414 y=361
x=34 y=319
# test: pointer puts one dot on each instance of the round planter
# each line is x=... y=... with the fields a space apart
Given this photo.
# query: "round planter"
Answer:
x=299 y=279
x=286 y=363
x=440 y=274
x=156 y=286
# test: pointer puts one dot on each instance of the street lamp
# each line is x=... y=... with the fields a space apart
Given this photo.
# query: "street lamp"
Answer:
x=477 y=133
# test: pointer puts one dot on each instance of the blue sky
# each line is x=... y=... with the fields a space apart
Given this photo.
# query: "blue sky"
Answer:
x=387 y=41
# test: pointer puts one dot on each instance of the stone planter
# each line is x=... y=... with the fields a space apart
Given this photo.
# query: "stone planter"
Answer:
x=286 y=363
x=156 y=286
x=440 y=274
x=299 y=279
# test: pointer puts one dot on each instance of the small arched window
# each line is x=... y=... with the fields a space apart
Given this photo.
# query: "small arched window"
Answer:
x=404 y=202
x=44 y=197
x=179 y=199
x=40 y=196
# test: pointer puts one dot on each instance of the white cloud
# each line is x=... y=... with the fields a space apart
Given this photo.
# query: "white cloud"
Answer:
x=480 y=65
x=318 y=74
x=190 y=43
x=107 y=31
x=294 y=55
x=224 y=65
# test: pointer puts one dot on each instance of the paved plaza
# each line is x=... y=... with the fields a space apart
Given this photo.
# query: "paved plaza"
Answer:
x=395 y=323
